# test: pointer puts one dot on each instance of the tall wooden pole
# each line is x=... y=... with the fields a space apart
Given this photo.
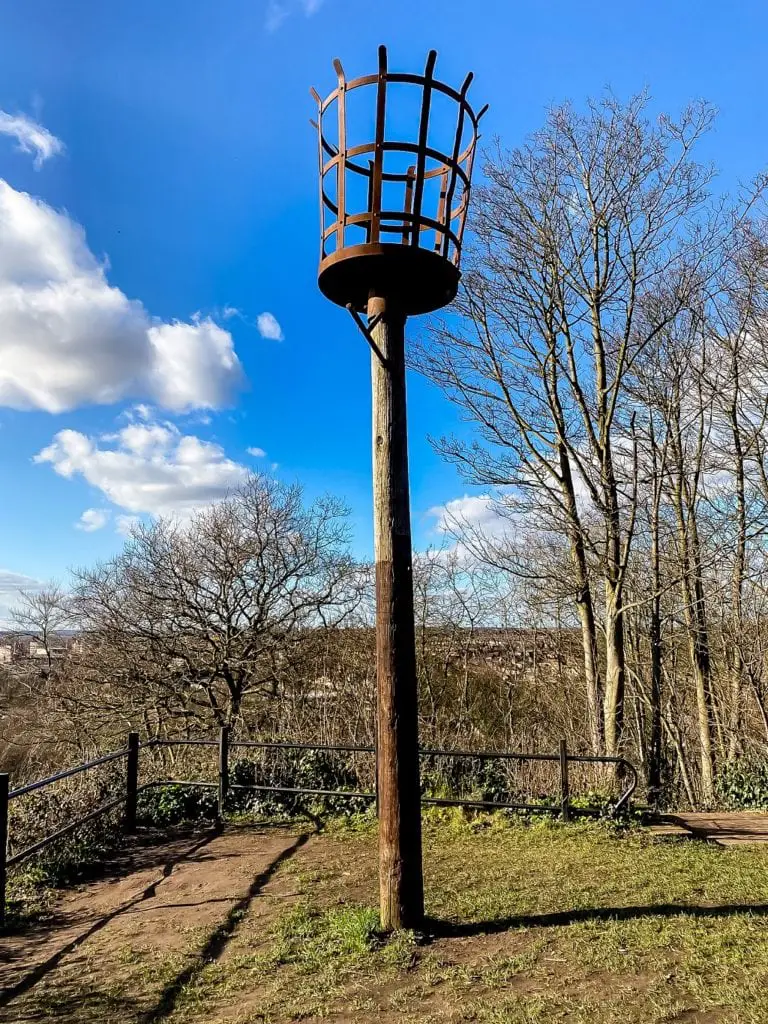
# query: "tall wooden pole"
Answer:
x=400 y=871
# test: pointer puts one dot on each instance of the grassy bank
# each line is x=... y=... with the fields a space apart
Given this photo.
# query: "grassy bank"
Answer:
x=528 y=922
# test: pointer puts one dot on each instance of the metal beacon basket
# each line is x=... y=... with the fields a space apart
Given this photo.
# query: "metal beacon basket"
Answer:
x=393 y=211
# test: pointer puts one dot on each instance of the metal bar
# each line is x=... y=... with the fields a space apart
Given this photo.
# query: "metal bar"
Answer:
x=342 y=157
x=17 y=857
x=32 y=786
x=4 y=788
x=624 y=799
x=366 y=332
x=309 y=792
x=464 y=205
x=187 y=743
x=331 y=206
x=410 y=178
x=456 y=152
x=369 y=205
x=421 y=159
x=401 y=146
x=399 y=216
x=565 y=793
x=403 y=77
x=179 y=782
x=486 y=755
x=503 y=805
x=378 y=152
x=131 y=782
x=441 y=208
x=370 y=749
x=223 y=770
x=321 y=144
x=598 y=759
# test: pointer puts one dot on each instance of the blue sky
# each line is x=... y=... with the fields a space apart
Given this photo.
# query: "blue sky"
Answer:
x=188 y=163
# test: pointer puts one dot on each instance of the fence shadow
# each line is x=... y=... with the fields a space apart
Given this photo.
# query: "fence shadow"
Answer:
x=38 y=972
x=219 y=938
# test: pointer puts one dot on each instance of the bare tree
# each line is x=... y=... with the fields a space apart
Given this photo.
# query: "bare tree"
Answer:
x=576 y=229
x=216 y=609
x=43 y=614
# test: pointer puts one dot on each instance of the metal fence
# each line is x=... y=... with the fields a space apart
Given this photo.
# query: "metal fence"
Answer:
x=224 y=744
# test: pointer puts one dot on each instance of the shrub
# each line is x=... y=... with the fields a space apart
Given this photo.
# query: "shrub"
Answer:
x=163 y=806
x=744 y=784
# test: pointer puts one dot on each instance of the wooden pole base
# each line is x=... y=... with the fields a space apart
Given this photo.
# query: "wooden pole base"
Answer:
x=400 y=867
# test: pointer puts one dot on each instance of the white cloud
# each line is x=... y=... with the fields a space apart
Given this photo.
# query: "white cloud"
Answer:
x=150 y=468
x=124 y=525
x=93 y=519
x=276 y=15
x=257 y=453
x=11 y=583
x=469 y=523
x=31 y=137
x=268 y=327
x=474 y=511
x=69 y=338
x=190 y=361
x=278 y=10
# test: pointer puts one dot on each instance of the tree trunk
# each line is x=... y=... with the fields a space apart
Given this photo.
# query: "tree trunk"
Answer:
x=655 y=739
x=615 y=669
x=737 y=666
x=584 y=606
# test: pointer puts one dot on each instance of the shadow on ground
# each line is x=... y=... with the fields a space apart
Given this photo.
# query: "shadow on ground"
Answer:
x=63 y=998
x=435 y=928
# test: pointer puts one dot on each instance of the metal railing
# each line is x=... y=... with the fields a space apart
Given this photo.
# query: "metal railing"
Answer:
x=224 y=744
x=563 y=758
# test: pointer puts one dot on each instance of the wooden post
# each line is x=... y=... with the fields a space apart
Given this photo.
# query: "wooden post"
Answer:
x=565 y=793
x=4 y=787
x=223 y=771
x=401 y=882
x=131 y=782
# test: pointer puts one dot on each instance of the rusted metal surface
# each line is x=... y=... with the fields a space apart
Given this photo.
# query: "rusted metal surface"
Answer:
x=408 y=250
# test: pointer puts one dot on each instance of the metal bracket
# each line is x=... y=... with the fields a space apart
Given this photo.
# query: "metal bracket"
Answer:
x=365 y=330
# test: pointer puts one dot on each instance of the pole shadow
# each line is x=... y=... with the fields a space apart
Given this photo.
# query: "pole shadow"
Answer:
x=435 y=928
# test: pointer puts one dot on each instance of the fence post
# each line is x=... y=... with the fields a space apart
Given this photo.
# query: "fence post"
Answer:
x=565 y=793
x=131 y=783
x=4 y=786
x=223 y=771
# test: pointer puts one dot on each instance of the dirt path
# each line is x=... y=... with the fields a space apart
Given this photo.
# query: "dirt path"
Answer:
x=122 y=948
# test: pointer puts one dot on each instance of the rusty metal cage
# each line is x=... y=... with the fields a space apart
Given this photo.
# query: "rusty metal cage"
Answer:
x=393 y=211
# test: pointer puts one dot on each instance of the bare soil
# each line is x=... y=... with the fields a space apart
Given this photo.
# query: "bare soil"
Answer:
x=177 y=903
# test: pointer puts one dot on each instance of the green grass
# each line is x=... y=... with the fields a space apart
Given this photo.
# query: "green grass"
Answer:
x=581 y=923
x=529 y=923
